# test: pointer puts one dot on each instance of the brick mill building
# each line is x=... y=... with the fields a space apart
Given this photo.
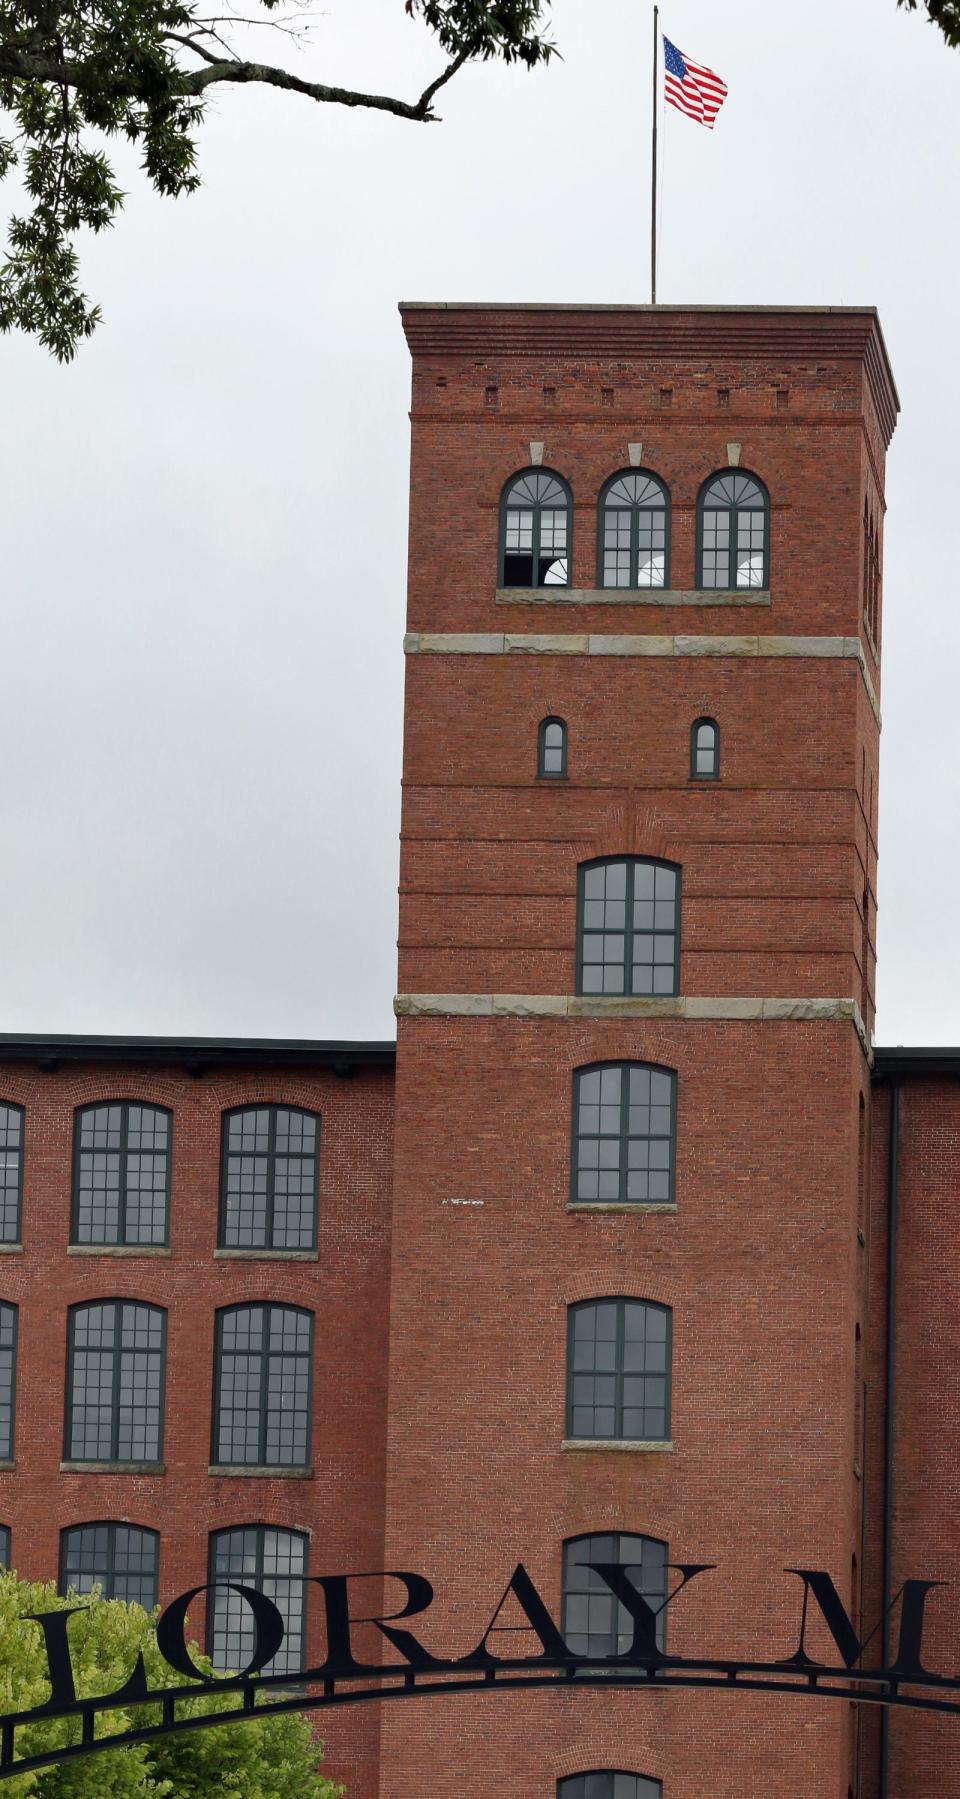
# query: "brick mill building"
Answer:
x=632 y=1247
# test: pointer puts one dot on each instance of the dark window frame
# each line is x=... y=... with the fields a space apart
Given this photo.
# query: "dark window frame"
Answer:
x=634 y=585
x=6 y=1546
x=121 y=1241
x=10 y=1105
x=261 y=1526
x=697 y=774
x=266 y=1306
x=620 y=1301
x=632 y=863
x=113 y=1460
x=272 y=1106
x=112 y=1525
x=731 y=512
x=507 y=489
x=586 y=1536
x=550 y=774
x=565 y=1784
x=8 y=1305
x=624 y=1138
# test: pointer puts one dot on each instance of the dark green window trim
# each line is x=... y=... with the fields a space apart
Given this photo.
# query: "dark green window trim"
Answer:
x=5 y=1542
x=9 y=1332
x=79 y=1454
x=623 y=1137
x=270 y=1155
x=610 y=502
x=609 y=1783
x=629 y=931
x=547 y=751
x=263 y=1579
x=159 y=1238
x=696 y=750
x=659 y=1379
x=628 y=1549
x=265 y=1356
x=730 y=513
x=11 y=1170
x=537 y=479
x=107 y=1578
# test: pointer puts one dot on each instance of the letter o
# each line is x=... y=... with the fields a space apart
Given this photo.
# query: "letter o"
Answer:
x=171 y=1641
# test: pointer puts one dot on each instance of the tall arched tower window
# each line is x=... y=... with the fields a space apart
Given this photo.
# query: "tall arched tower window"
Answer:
x=535 y=519
x=628 y=939
x=733 y=532
x=633 y=540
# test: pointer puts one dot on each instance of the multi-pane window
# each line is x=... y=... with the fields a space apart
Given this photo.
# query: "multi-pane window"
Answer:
x=262 y=1408
x=11 y=1172
x=608 y=1784
x=115 y=1382
x=732 y=547
x=594 y=1621
x=705 y=750
x=629 y=931
x=8 y=1379
x=535 y=531
x=121 y=1177
x=273 y=1561
x=623 y=1134
x=4 y=1545
x=552 y=747
x=618 y=1371
x=633 y=532
x=120 y=1559
x=269 y=1179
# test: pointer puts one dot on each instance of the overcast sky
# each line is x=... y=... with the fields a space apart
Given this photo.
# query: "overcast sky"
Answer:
x=204 y=518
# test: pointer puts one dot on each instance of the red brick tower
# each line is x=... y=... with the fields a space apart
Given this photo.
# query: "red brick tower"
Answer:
x=649 y=1102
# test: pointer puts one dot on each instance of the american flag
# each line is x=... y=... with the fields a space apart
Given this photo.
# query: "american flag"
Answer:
x=691 y=89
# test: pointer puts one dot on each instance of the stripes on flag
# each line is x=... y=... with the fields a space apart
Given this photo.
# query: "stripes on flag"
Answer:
x=690 y=88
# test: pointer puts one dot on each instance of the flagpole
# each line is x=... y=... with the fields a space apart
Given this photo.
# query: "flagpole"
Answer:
x=653 y=184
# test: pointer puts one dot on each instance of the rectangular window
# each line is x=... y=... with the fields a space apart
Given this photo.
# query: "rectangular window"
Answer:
x=618 y=1380
x=273 y=1561
x=8 y=1379
x=624 y=1134
x=269 y=1179
x=11 y=1172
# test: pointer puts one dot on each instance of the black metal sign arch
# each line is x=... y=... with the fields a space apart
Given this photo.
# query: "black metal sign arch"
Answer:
x=342 y=1680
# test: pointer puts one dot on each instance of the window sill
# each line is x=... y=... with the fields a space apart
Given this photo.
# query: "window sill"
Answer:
x=113 y=1468
x=253 y=1472
x=633 y=596
x=621 y=1445
x=621 y=1205
x=7 y=1467
x=266 y=1255
x=11 y=1249
x=118 y=1249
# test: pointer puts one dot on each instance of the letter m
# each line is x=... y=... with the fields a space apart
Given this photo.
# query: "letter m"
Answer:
x=820 y=1587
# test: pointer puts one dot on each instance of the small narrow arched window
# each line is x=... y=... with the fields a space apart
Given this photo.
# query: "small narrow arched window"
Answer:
x=705 y=750
x=121 y=1174
x=607 y=1783
x=268 y=1178
x=594 y=1623
x=273 y=1561
x=535 y=530
x=618 y=1371
x=121 y=1559
x=8 y=1379
x=11 y=1171
x=552 y=748
x=633 y=539
x=624 y=1129
x=262 y=1387
x=115 y=1372
x=733 y=547
x=628 y=938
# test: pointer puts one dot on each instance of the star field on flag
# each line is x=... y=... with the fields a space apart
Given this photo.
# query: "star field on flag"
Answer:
x=691 y=88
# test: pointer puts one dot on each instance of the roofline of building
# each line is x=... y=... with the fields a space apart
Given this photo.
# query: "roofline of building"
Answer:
x=197 y=1053
x=899 y=1062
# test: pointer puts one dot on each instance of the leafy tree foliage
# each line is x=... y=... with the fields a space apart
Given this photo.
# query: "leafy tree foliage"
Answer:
x=945 y=13
x=76 y=72
x=273 y=1758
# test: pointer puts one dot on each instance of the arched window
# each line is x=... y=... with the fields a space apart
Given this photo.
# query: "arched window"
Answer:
x=121 y=1174
x=732 y=534
x=705 y=750
x=593 y=1621
x=535 y=518
x=633 y=539
x=8 y=1379
x=273 y=1561
x=608 y=1784
x=4 y=1545
x=11 y=1171
x=268 y=1178
x=115 y=1370
x=629 y=927
x=618 y=1371
x=121 y=1559
x=624 y=1124
x=552 y=748
x=262 y=1386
